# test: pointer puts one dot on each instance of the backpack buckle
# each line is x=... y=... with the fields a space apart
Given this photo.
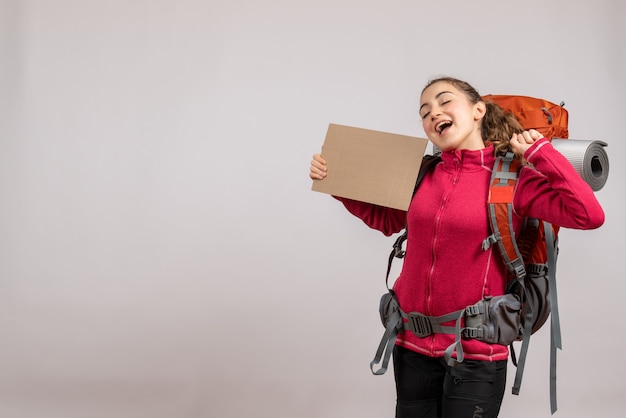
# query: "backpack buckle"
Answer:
x=518 y=268
x=419 y=324
x=474 y=310
x=399 y=252
x=475 y=333
x=537 y=270
x=397 y=246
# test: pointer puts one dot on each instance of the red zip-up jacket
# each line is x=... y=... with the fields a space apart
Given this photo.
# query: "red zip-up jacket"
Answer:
x=445 y=268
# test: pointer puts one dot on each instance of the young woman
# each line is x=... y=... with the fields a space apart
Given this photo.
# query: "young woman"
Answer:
x=445 y=268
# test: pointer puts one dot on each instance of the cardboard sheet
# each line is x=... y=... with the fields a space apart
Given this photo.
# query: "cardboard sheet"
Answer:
x=371 y=166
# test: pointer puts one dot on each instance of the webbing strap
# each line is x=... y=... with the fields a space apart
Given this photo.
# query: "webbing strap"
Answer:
x=553 y=348
x=554 y=302
x=555 y=325
x=415 y=322
x=555 y=322
x=456 y=345
x=526 y=332
x=386 y=344
x=423 y=325
x=461 y=332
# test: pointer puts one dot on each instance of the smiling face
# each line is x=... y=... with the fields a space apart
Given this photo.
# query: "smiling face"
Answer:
x=450 y=119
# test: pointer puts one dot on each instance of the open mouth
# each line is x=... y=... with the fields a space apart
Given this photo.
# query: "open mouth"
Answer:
x=442 y=126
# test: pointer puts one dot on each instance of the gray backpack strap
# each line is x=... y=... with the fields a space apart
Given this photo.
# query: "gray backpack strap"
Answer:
x=456 y=345
x=555 y=322
x=527 y=331
x=385 y=348
x=555 y=325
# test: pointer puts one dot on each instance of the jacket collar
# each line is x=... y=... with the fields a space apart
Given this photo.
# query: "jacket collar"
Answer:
x=469 y=159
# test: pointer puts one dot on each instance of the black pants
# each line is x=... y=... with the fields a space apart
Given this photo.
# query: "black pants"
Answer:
x=428 y=388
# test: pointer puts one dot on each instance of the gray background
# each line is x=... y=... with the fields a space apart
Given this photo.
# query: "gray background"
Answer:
x=161 y=253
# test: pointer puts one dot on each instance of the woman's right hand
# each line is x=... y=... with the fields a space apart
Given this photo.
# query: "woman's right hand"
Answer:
x=521 y=142
x=318 y=168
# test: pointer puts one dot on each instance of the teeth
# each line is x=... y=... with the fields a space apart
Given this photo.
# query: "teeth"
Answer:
x=441 y=125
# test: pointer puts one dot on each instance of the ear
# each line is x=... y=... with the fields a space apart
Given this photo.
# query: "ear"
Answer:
x=480 y=109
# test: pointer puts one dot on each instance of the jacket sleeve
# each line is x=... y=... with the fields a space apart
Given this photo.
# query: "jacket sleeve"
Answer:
x=386 y=220
x=553 y=191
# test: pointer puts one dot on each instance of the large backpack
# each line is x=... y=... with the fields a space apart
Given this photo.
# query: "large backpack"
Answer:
x=530 y=258
x=532 y=262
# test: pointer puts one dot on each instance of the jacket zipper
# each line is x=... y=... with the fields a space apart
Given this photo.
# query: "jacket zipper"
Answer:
x=444 y=201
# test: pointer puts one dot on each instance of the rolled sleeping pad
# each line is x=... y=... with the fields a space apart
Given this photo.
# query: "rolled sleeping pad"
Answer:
x=589 y=158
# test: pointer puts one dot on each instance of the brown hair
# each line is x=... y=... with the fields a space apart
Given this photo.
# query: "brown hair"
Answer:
x=497 y=126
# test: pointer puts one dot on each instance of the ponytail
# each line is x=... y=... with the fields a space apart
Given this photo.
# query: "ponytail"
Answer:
x=498 y=126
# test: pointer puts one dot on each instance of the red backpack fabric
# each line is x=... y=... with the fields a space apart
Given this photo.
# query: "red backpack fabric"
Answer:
x=548 y=118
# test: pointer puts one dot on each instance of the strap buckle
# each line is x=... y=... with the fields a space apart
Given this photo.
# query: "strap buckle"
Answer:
x=474 y=310
x=397 y=246
x=473 y=332
x=419 y=324
x=537 y=269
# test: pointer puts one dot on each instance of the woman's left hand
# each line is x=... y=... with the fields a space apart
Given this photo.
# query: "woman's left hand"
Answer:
x=521 y=142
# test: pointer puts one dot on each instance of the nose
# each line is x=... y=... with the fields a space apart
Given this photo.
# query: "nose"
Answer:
x=435 y=111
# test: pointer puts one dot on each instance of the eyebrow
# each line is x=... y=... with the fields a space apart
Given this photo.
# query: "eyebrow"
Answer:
x=436 y=97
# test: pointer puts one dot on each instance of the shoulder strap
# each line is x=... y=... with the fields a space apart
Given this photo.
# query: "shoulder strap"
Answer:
x=500 y=206
x=428 y=162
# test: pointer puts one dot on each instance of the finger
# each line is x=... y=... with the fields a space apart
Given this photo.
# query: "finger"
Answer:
x=318 y=157
x=535 y=134
x=318 y=173
x=315 y=174
x=527 y=138
x=320 y=166
x=518 y=144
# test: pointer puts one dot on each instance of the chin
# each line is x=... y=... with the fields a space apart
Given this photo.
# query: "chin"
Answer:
x=443 y=149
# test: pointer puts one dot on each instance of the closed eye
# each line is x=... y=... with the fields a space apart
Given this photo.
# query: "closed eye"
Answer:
x=443 y=103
